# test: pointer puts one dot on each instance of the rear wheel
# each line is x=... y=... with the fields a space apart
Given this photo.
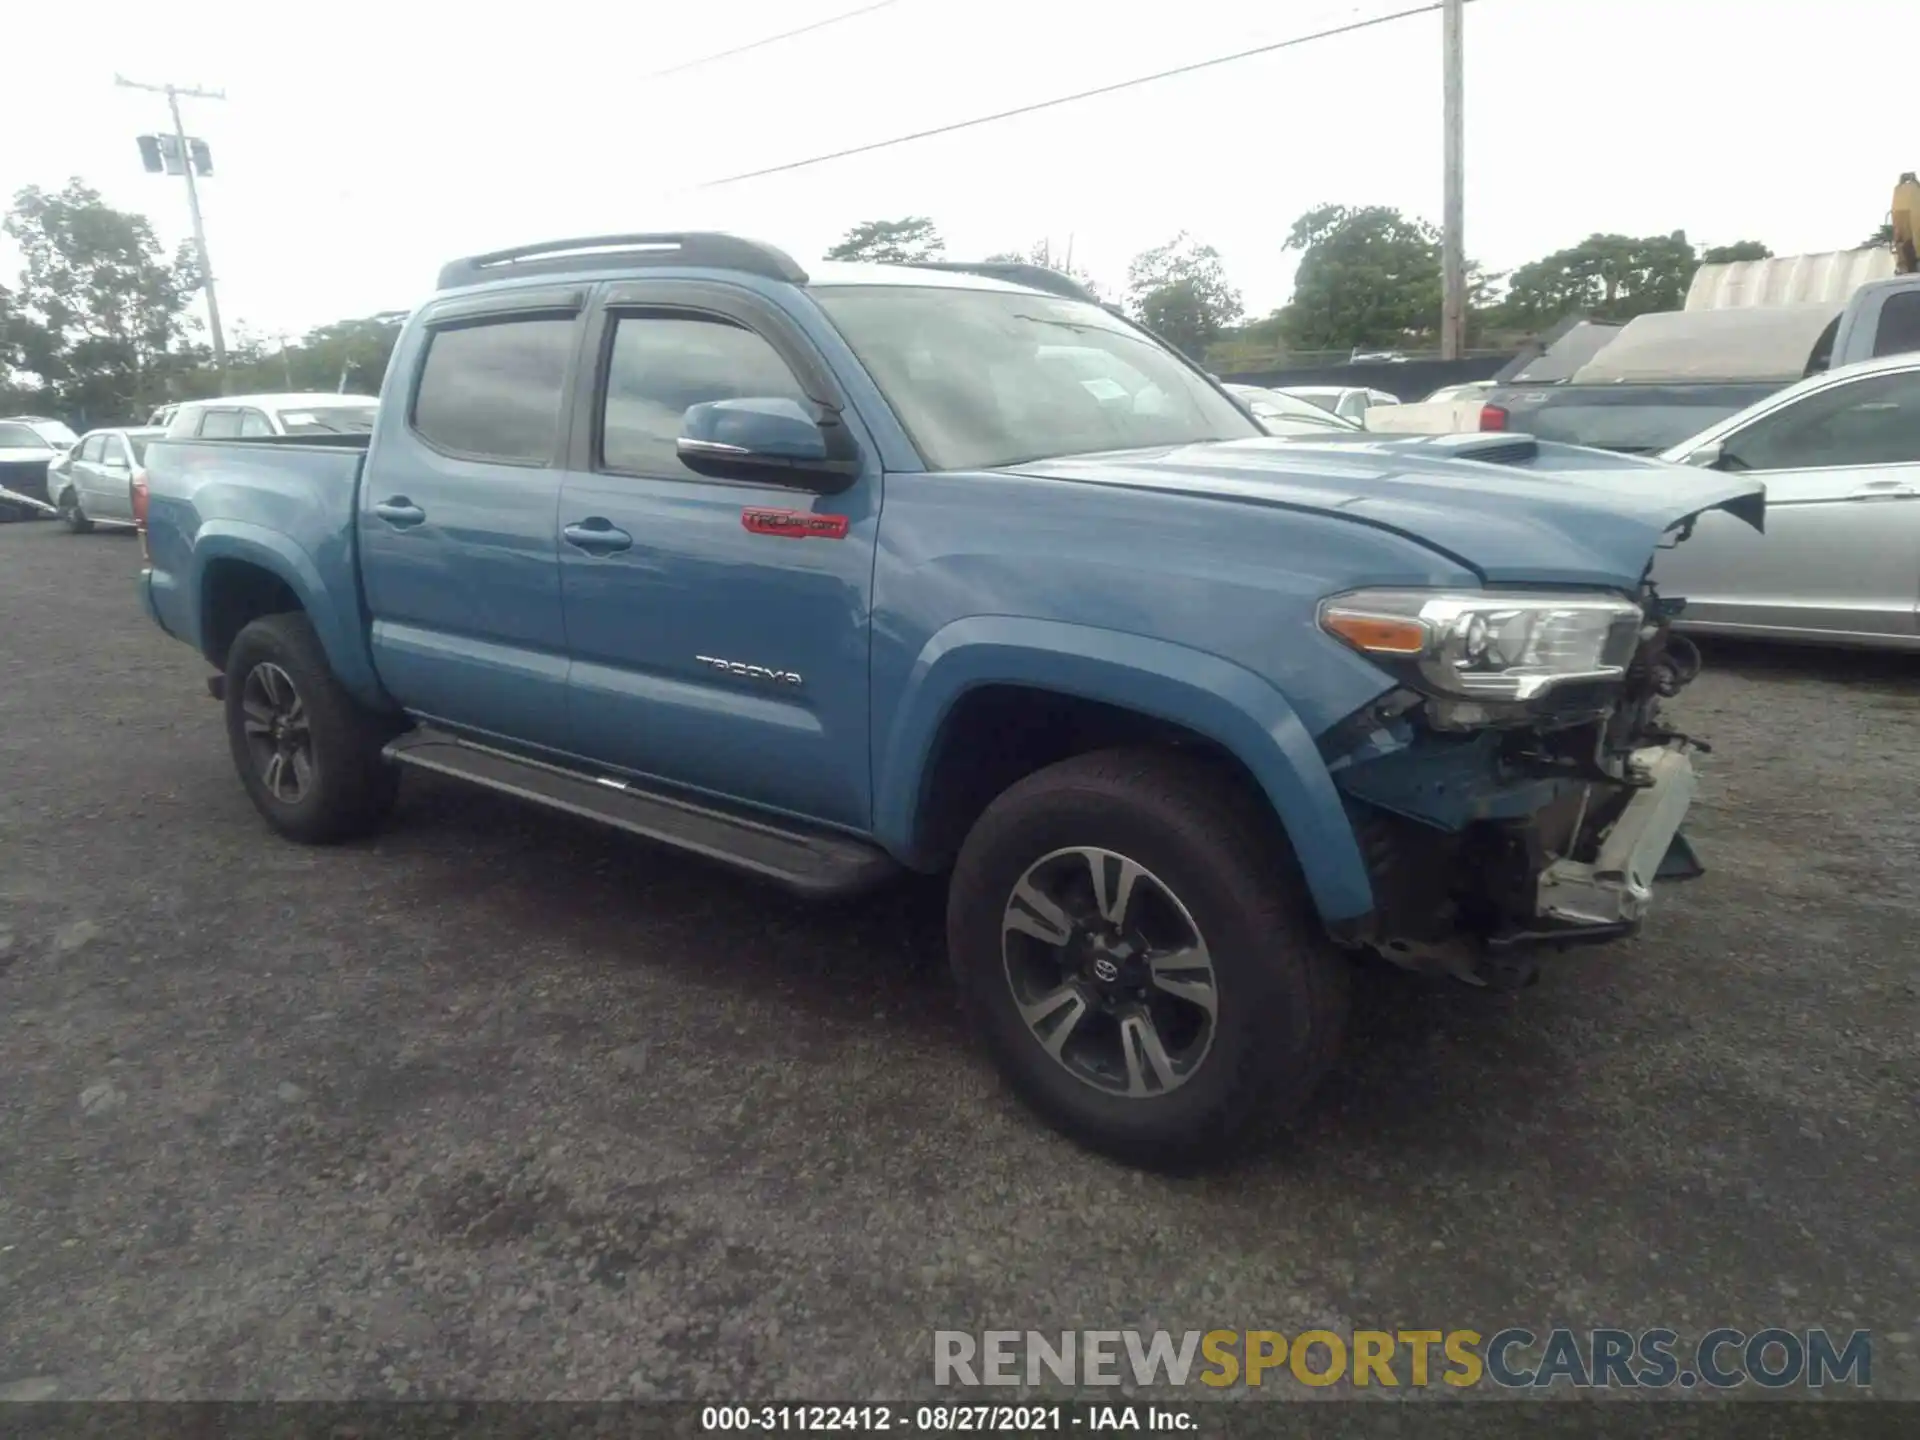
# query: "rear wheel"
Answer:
x=307 y=751
x=70 y=511
x=1134 y=944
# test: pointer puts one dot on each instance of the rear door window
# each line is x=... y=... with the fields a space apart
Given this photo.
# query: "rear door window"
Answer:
x=254 y=424
x=493 y=389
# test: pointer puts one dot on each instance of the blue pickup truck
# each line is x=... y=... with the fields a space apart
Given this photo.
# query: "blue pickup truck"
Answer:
x=837 y=574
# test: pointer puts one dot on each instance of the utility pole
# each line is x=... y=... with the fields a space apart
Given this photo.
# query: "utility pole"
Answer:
x=1453 y=254
x=173 y=94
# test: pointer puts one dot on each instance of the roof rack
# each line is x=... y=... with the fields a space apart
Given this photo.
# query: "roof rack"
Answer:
x=609 y=252
x=1016 y=272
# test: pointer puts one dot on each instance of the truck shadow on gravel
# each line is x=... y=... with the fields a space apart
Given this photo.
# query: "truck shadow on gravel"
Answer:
x=878 y=965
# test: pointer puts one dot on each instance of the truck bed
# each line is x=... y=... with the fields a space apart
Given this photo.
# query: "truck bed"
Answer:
x=292 y=496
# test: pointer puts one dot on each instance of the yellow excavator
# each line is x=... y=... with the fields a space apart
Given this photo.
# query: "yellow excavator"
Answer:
x=1906 y=225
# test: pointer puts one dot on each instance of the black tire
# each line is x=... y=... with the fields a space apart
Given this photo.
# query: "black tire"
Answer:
x=70 y=511
x=349 y=789
x=1278 y=982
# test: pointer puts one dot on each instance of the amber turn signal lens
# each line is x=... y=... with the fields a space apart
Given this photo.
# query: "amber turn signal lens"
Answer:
x=1377 y=634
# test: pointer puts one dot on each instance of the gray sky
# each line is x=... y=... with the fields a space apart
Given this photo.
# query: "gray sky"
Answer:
x=363 y=144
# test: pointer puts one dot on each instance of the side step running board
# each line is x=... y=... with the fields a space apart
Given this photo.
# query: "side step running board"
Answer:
x=814 y=863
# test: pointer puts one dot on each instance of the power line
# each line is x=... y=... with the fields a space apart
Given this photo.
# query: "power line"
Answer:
x=1267 y=49
x=769 y=40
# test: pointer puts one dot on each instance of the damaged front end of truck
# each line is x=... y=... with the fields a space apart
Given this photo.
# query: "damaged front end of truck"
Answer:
x=1518 y=790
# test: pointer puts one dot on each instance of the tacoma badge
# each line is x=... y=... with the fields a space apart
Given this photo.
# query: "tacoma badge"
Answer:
x=750 y=672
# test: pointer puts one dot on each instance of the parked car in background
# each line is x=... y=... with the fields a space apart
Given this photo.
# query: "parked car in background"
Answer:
x=1661 y=378
x=95 y=482
x=1348 y=402
x=258 y=417
x=29 y=444
x=1839 y=563
x=1284 y=414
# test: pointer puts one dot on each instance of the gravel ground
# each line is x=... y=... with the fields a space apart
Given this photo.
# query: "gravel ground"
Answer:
x=502 y=1105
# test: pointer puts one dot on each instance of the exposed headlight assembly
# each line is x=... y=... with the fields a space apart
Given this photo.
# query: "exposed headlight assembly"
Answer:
x=1495 y=647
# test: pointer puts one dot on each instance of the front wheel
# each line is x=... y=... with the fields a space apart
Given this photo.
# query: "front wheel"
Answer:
x=1133 y=941
x=307 y=751
x=70 y=511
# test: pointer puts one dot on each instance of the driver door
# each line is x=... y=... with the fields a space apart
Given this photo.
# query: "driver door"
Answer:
x=714 y=642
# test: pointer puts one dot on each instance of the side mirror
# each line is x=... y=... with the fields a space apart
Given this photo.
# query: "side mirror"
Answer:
x=1707 y=456
x=770 y=439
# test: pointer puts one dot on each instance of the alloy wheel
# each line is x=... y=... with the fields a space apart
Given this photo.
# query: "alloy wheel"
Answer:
x=274 y=719
x=1110 y=972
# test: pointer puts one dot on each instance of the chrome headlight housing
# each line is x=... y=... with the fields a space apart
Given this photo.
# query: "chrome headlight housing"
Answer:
x=1497 y=647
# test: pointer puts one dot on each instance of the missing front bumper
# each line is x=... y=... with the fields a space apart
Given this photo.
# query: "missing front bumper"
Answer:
x=1616 y=888
x=1480 y=903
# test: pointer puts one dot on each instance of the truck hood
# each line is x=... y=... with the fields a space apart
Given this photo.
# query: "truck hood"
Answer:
x=1515 y=509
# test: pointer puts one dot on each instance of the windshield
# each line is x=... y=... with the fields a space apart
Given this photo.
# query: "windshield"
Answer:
x=983 y=378
x=329 y=420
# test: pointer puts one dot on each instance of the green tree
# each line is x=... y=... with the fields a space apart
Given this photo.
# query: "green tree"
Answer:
x=345 y=355
x=99 y=309
x=1739 y=250
x=893 y=242
x=1180 y=315
x=1605 y=277
x=1368 y=275
x=1180 y=291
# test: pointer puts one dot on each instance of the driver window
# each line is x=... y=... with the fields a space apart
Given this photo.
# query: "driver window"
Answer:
x=660 y=364
x=1875 y=421
x=90 y=450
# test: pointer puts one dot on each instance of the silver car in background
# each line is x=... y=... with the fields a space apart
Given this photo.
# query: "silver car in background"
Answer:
x=94 y=485
x=1839 y=563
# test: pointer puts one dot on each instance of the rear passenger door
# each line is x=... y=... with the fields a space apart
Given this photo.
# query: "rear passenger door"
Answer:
x=714 y=646
x=457 y=530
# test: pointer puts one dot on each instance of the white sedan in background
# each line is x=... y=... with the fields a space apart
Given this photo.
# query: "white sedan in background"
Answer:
x=1284 y=414
x=1348 y=402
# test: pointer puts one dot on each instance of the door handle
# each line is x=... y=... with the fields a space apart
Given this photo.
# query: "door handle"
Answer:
x=597 y=536
x=400 y=512
x=1884 y=490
